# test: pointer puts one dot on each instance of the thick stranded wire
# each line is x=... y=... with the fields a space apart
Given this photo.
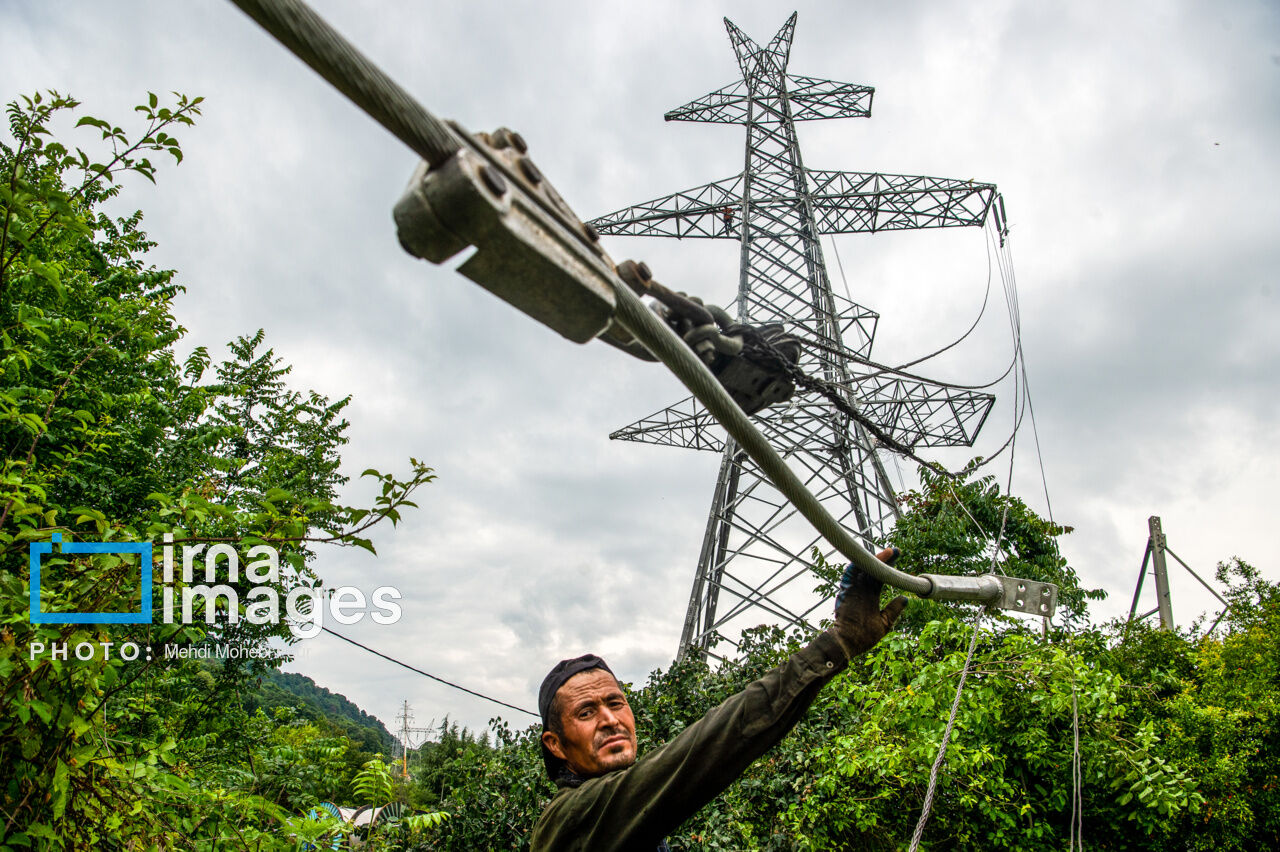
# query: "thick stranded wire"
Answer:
x=1075 y=840
x=311 y=39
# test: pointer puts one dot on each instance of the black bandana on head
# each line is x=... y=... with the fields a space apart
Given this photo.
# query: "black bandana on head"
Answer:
x=551 y=684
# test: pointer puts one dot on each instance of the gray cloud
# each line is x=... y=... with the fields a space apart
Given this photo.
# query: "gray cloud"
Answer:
x=1134 y=144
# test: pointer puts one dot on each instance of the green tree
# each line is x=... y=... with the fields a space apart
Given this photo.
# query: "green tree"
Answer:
x=441 y=765
x=108 y=436
x=950 y=526
x=373 y=784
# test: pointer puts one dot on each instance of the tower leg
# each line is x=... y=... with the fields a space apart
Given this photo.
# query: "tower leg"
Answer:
x=700 y=615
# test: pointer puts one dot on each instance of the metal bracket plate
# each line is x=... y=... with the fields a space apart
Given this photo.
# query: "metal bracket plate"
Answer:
x=1029 y=596
x=532 y=251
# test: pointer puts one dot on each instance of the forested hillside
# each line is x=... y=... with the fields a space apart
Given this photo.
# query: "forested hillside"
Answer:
x=315 y=703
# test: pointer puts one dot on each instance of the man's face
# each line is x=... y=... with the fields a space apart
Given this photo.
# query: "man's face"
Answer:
x=599 y=729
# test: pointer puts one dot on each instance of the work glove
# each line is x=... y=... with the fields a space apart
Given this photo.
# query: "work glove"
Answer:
x=860 y=622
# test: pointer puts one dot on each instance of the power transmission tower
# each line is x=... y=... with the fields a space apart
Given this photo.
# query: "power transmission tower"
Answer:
x=406 y=731
x=755 y=546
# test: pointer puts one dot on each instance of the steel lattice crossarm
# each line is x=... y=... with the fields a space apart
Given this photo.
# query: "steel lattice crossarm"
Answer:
x=917 y=413
x=811 y=99
x=696 y=213
x=867 y=202
x=686 y=424
x=912 y=412
x=843 y=203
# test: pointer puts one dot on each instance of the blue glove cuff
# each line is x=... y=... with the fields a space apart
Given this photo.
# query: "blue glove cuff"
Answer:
x=846 y=582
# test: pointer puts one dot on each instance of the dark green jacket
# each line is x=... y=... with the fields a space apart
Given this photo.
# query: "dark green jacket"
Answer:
x=634 y=808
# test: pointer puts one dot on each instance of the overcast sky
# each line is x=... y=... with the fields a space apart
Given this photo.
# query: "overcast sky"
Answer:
x=1135 y=145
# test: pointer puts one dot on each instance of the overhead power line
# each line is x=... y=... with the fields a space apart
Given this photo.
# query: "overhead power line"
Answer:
x=427 y=674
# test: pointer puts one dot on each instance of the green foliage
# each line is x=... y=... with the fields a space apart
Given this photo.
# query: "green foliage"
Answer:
x=1178 y=734
x=441 y=766
x=948 y=527
x=497 y=794
x=294 y=763
x=108 y=436
x=373 y=785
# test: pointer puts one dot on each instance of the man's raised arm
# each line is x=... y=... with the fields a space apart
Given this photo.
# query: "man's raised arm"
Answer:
x=636 y=807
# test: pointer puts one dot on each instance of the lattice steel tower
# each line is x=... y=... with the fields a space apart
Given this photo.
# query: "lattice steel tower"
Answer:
x=755 y=546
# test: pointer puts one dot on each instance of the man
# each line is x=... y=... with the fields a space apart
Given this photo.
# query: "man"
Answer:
x=610 y=801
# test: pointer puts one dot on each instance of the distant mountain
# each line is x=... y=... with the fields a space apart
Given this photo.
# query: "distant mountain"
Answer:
x=286 y=689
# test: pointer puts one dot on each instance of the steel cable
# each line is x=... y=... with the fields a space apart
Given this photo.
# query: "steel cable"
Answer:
x=311 y=39
x=946 y=739
x=1075 y=840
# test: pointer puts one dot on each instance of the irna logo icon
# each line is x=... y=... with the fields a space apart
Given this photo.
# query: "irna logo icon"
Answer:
x=38 y=550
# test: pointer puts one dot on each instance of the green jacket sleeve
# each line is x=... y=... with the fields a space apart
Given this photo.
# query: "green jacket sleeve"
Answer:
x=635 y=808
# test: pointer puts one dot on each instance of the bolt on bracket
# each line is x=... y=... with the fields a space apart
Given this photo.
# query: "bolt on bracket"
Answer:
x=1030 y=596
x=532 y=251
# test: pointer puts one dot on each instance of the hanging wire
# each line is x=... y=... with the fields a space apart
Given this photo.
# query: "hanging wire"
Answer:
x=1035 y=432
x=1021 y=395
x=840 y=264
x=426 y=674
x=986 y=294
x=881 y=369
x=1075 y=840
x=761 y=350
x=1017 y=365
x=902 y=482
x=1005 y=252
x=927 y=807
x=997 y=549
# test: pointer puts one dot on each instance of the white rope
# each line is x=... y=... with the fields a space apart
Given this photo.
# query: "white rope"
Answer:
x=1075 y=842
x=946 y=738
x=997 y=547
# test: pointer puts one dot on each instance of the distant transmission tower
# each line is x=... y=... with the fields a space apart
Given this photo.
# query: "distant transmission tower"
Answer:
x=406 y=732
x=756 y=547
